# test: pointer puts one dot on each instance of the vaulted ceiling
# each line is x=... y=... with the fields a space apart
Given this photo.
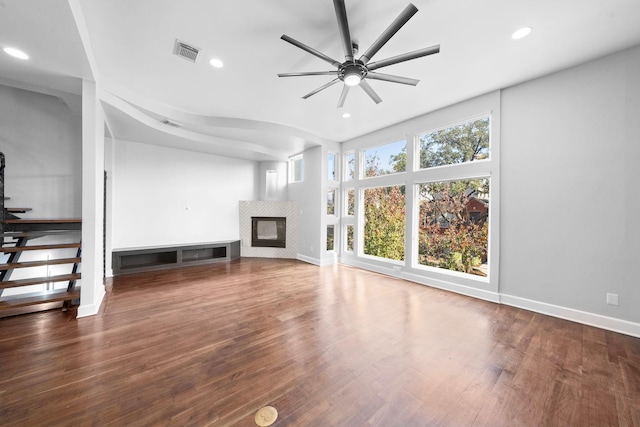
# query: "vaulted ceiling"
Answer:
x=244 y=109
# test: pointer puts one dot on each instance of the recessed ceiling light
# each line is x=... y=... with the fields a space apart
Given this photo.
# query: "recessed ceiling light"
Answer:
x=346 y=115
x=521 y=33
x=16 y=53
x=216 y=63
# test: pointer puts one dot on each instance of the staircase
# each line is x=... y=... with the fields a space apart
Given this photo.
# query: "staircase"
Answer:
x=30 y=251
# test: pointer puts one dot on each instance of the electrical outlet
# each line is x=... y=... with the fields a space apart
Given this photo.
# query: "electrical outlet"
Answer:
x=311 y=248
x=612 y=299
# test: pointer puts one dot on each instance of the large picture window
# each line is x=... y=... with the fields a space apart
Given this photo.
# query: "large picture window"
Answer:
x=427 y=206
x=384 y=222
x=453 y=227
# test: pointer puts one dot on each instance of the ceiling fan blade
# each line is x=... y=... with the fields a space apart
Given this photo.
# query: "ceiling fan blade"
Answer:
x=310 y=50
x=394 y=79
x=365 y=86
x=343 y=96
x=402 y=19
x=404 y=57
x=343 y=25
x=323 y=87
x=309 y=73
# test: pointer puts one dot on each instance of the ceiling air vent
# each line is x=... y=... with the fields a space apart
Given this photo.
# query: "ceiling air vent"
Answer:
x=186 y=51
x=170 y=123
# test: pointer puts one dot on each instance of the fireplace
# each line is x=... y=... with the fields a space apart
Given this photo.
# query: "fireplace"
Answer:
x=268 y=232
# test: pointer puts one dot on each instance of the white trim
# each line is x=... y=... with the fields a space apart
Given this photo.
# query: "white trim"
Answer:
x=92 y=309
x=591 y=319
x=570 y=314
x=314 y=261
x=453 y=287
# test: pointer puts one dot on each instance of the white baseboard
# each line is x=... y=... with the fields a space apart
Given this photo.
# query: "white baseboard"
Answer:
x=453 y=287
x=86 y=310
x=586 y=318
x=314 y=261
x=583 y=317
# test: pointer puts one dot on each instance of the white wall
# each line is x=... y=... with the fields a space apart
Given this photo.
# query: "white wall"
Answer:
x=308 y=194
x=276 y=190
x=570 y=200
x=42 y=142
x=164 y=196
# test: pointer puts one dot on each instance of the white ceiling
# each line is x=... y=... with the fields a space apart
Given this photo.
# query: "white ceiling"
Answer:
x=244 y=109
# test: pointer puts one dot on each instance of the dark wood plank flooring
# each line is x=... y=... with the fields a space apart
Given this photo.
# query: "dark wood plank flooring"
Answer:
x=327 y=346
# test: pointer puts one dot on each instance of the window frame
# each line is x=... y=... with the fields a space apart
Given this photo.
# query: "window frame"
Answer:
x=482 y=106
x=292 y=168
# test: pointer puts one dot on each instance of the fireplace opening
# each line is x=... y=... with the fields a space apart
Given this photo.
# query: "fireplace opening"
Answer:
x=269 y=232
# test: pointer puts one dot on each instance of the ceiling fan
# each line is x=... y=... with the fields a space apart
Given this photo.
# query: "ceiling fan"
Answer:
x=355 y=72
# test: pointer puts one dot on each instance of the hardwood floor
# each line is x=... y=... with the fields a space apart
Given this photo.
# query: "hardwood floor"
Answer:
x=329 y=346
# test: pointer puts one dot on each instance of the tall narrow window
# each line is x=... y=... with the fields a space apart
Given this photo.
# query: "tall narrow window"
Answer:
x=331 y=167
x=349 y=166
x=350 y=202
x=453 y=227
x=330 y=237
x=331 y=202
x=349 y=239
x=296 y=165
x=384 y=222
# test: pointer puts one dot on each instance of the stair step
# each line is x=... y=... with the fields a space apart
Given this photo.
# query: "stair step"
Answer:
x=39 y=280
x=34 y=234
x=41 y=247
x=12 y=224
x=38 y=298
x=17 y=210
x=40 y=263
x=43 y=221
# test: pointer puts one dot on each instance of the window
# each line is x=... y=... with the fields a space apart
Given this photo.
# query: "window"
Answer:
x=331 y=201
x=385 y=159
x=331 y=167
x=461 y=143
x=330 y=237
x=296 y=167
x=384 y=219
x=453 y=227
x=349 y=166
x=429 y=201
x=349 y=240
x=350 y=202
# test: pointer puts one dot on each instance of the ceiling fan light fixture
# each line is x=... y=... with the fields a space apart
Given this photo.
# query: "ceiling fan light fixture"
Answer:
x=352 y=79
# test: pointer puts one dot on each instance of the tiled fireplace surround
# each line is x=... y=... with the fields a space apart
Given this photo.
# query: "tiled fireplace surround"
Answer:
x=250 y=209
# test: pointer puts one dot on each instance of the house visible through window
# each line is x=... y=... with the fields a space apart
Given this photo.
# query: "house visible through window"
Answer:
x=453 y=230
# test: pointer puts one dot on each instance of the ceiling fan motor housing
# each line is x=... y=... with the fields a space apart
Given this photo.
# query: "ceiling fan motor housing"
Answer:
x=355 y=68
